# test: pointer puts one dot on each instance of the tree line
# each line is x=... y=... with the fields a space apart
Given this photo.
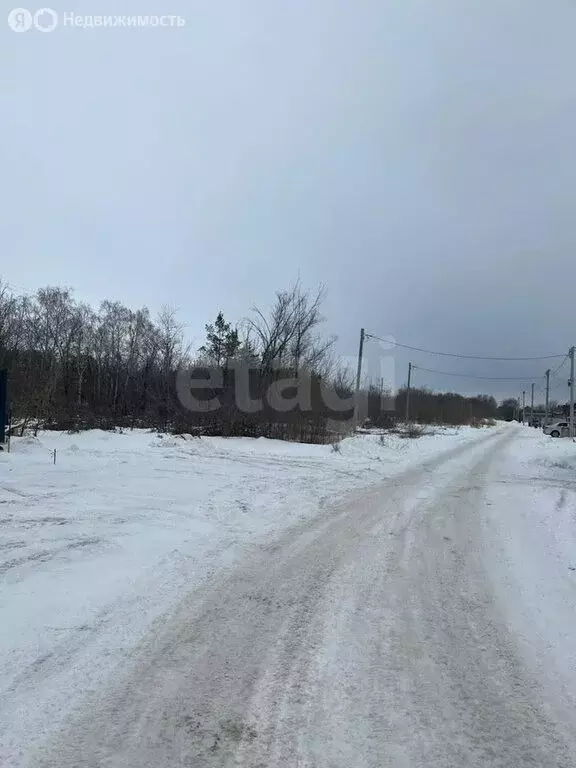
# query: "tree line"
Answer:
x=428 y=407
x=71 y=366
x=510 y=409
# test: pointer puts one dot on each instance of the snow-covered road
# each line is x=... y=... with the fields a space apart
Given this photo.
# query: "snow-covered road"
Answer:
x=424 y=619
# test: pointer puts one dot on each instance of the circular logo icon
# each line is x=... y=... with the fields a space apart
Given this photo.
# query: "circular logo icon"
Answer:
x=45 y=20
x=20 y=20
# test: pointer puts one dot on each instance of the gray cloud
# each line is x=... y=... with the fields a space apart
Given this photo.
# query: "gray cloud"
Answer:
x=416 y=157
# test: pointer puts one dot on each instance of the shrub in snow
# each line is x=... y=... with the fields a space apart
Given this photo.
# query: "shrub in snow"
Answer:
x=413 y=431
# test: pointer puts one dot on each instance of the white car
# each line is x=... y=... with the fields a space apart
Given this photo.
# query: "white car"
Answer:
x=560 y=429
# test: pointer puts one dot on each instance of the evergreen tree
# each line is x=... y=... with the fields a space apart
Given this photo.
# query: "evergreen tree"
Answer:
x=222 y=341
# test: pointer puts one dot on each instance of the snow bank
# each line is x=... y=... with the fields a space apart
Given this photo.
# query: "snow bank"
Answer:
x=532 y=535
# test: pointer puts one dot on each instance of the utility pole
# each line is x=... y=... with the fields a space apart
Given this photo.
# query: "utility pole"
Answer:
x=547 y=395
x=408 y=393
x=358 y=378
x=572 y=392
x=523 y=404
x=532 y=407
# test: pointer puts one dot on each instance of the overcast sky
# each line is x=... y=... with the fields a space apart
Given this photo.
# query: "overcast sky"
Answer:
x=416 y=156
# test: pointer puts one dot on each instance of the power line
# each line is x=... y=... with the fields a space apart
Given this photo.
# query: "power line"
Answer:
x=560 y=382
x=559 y=385
x=473 y=376
x=454 y=354
x=558 y=367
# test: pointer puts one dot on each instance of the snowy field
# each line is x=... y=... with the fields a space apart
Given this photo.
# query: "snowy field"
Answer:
x=99 y=546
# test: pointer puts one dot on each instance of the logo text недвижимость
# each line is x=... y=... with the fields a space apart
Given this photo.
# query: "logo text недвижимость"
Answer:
x=47 y=19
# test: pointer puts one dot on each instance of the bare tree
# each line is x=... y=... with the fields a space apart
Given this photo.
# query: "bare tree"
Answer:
x=343 y=381
x=288 y=337
x=171 y=355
